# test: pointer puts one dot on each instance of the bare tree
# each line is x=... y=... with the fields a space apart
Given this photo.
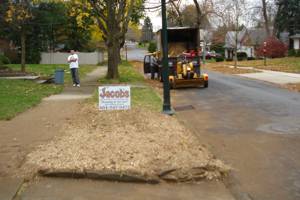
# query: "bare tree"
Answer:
x=203 y=8
x=266 y=17
x=233 y=14
x=176 y=5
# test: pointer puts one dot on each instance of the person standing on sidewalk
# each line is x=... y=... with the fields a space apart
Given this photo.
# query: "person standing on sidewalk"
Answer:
x=73 y=61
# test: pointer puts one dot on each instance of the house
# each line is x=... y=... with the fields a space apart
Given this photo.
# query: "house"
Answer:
x=206 y=36
x=296 y=41
x=248 y=41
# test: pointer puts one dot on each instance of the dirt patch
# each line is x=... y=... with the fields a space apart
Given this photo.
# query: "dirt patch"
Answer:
x=135 y=143
x=7 y=72
x=228 y=69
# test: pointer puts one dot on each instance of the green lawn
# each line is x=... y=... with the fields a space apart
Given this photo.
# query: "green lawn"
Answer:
x=127 y=75
x=140 y=96
x=287 y=64
x=18 y=95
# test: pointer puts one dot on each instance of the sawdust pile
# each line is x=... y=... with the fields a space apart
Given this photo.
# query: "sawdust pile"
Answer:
x=139 y=141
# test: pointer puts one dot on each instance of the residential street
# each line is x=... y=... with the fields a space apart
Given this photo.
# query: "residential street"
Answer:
x=251 y=125
x=254 y=127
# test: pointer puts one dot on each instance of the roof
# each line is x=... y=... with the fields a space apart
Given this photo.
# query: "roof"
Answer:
x=295 y=36
x=230 y=39
x=179 y=28
x=251 y=37
x=257 y=36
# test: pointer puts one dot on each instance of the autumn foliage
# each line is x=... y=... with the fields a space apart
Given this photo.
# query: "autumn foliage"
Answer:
x=274 y=48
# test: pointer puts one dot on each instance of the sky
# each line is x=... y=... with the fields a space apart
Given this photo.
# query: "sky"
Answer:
x=155 y=15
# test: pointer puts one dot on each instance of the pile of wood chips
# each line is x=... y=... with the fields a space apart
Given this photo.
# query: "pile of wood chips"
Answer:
x=139 y=141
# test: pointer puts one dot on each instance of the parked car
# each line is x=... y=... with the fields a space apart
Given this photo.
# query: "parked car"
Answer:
x=211 y=54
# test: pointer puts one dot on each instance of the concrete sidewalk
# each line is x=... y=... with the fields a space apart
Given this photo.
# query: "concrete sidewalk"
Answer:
x=86 y=90
x=35 y=126
x=274 y=76
x=71 y=189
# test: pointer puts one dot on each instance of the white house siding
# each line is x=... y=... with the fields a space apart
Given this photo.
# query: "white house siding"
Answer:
x=92 y=58
x=249 y=50
x=297 y=44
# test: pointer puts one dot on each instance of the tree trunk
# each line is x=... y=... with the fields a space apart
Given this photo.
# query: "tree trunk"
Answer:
x=113 y=61
x=266 y=18
x=179 y=14
x=236 y=47
x=23 y=50
x=199 y=13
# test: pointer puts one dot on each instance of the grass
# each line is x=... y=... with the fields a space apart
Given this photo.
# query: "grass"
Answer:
x=287 y=64
x=143 y=96
x=16 y=96
x=127 y=75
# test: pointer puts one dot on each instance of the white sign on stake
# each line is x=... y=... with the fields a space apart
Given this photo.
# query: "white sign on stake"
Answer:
x=114 y=98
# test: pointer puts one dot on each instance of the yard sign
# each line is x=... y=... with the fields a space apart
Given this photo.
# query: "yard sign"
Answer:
x=114 y=98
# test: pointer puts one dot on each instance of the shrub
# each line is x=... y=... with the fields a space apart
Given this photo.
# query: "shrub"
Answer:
x=218 y=48
x=219 y=59
x=33 y=56
x=297 y=53
x=292 y=52
x=152 y=47
x=275 y=48
x=4 y=60
x=229 y=59
x=13 y=56
x=242 y=56
x=251 y=58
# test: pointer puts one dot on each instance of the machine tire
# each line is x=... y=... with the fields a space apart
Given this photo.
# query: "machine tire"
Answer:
x=205 y=84
x=171 y=84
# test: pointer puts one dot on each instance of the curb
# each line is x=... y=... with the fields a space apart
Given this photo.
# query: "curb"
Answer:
x=99 y=175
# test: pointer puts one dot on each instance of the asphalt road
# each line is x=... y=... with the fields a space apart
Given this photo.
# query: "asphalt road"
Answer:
x=254 y=127
x=251 y=125
x=134 y=54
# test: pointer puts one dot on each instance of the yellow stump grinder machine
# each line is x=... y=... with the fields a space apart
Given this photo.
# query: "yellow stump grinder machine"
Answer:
x=184 y=58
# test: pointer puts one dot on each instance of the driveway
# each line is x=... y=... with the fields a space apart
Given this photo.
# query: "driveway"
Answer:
x=135 y=54
x=254 y=127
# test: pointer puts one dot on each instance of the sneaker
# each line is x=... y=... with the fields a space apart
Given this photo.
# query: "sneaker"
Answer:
x=78 y=85
x=74 y=85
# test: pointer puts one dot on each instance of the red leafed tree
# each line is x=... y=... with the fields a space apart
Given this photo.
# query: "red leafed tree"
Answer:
x=274 y=48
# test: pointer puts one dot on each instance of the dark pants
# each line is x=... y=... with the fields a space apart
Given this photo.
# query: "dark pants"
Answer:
x=75 y=76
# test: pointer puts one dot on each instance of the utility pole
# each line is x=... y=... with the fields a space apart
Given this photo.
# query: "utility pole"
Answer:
x=204 y=53
x=165 y=74
x=265 y=53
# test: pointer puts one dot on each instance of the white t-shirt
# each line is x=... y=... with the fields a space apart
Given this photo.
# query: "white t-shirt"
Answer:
x=73 y=64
